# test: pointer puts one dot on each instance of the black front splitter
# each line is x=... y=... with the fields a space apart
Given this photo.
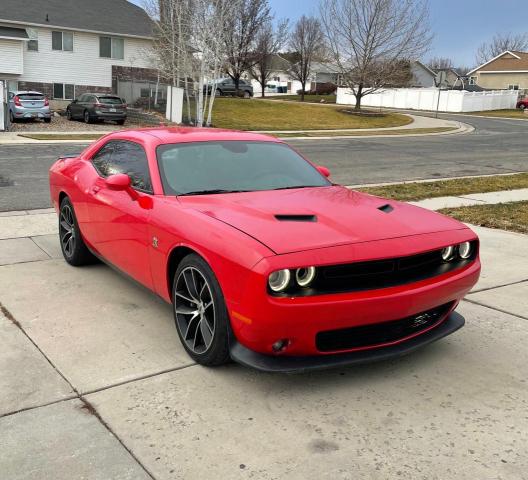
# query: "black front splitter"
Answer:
x=286 y=364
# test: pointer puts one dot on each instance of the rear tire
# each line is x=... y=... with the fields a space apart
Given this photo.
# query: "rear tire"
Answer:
x=69 y=115
x=11 y=117
x=86 y=116
x=73 y=248
x=47 y=120
x=120 y=122
x=200 y=312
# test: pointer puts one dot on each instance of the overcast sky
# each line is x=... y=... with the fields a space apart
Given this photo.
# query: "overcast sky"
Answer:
x=459 y=26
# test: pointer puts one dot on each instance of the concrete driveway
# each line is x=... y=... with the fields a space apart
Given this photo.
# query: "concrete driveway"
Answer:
x=95 y=385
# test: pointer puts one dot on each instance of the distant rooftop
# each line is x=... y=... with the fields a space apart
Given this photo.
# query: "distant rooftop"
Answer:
x=109 y=16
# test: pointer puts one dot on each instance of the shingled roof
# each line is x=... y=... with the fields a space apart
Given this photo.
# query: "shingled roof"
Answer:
x=108 y=16
x=506 y=61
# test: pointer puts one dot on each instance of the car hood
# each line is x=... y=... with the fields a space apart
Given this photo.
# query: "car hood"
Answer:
x=289 y=221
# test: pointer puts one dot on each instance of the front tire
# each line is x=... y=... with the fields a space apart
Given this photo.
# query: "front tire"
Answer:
x=200 y=312
x=69 y=115
x=11 y=117
x=522 y=106
x=73 y=248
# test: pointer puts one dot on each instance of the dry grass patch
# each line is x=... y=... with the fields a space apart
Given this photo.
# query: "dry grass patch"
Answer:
x=510 y=113
x=447 y=188
x=511 y=216
x=62 y=136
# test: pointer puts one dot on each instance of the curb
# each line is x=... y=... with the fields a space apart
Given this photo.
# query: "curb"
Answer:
x=463 y=129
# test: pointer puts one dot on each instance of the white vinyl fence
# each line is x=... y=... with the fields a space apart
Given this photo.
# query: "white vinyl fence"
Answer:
x=433 y=99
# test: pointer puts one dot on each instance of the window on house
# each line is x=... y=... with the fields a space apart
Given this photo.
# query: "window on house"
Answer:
x=63 y=91
x=110 y=47
x=145 y=93
x=472 y=80
x=62 y=41
x=513 y=87
x=32 y=44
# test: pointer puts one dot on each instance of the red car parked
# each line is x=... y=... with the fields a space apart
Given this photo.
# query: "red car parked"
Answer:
x=523 y=103
x=263 y=259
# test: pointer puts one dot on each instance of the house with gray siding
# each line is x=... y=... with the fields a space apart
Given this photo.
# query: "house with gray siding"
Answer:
x=66 y=48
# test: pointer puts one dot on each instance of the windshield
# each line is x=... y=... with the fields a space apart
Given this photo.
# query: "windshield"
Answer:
x=221 y=167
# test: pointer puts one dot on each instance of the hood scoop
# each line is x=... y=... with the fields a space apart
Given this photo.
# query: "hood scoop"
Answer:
x=296 y=218
x=386 y=208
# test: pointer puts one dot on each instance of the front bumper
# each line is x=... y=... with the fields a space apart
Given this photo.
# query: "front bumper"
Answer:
x=290 y=364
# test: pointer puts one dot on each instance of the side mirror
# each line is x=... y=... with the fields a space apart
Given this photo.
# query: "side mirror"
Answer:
x=323 y=170
x=119 y=181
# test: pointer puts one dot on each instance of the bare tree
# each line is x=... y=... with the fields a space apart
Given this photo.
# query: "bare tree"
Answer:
x=268 y=43
x=307 y=44
x=208 y=41
x=500 y=43
x=370 y=38
x=190 y=45
x=249 y=17
x=440 y=63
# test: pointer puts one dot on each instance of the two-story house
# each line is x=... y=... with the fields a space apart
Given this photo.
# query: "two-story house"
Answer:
x=64 y=48
x=509 y=70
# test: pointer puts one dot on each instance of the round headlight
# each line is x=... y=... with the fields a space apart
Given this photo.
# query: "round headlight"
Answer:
x=279 y=280
x=305 y=276
x=465 y=250
x=448 y=253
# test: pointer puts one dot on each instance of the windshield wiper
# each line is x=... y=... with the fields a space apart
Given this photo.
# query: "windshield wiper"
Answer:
x=210 y=192
x=296 y=186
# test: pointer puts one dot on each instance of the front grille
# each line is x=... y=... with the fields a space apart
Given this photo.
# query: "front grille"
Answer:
x=376 y=274
x=379 y=333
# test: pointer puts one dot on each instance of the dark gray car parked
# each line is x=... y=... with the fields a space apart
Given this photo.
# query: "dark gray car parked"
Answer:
x=226 y=86
x=93 y=107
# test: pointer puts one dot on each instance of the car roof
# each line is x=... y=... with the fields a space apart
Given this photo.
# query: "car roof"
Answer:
x=165 y=135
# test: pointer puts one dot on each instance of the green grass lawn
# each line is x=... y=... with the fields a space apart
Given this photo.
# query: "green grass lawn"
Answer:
x=246 y=114
x=307 y=98
x=506 y=216
x=446 y=188
x=512 y=113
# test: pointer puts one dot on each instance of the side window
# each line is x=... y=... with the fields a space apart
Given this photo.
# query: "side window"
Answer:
x=101 y=160
x=130 y=158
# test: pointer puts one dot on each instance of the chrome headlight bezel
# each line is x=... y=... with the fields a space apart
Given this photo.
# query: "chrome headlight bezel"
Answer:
x=304 y=276
x=281 y=282
x=465 y=250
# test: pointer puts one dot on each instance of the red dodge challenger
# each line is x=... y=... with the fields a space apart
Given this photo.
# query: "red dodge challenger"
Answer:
x=264 y=260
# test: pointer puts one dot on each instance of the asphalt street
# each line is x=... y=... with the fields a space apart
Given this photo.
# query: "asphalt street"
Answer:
x=496 y=146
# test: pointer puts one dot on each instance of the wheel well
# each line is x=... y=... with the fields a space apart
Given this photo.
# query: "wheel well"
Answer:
x=61 y=197
x=175 y=257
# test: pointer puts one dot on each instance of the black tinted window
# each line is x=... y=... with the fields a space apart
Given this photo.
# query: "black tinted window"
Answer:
x=110 y=100
x=101 y=160
x=130 y=158
x=124 y=157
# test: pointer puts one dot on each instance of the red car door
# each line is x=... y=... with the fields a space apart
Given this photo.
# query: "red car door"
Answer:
x=121 y=222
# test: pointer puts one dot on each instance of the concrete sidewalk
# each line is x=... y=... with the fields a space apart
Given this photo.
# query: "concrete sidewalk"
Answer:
x=95 y=386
